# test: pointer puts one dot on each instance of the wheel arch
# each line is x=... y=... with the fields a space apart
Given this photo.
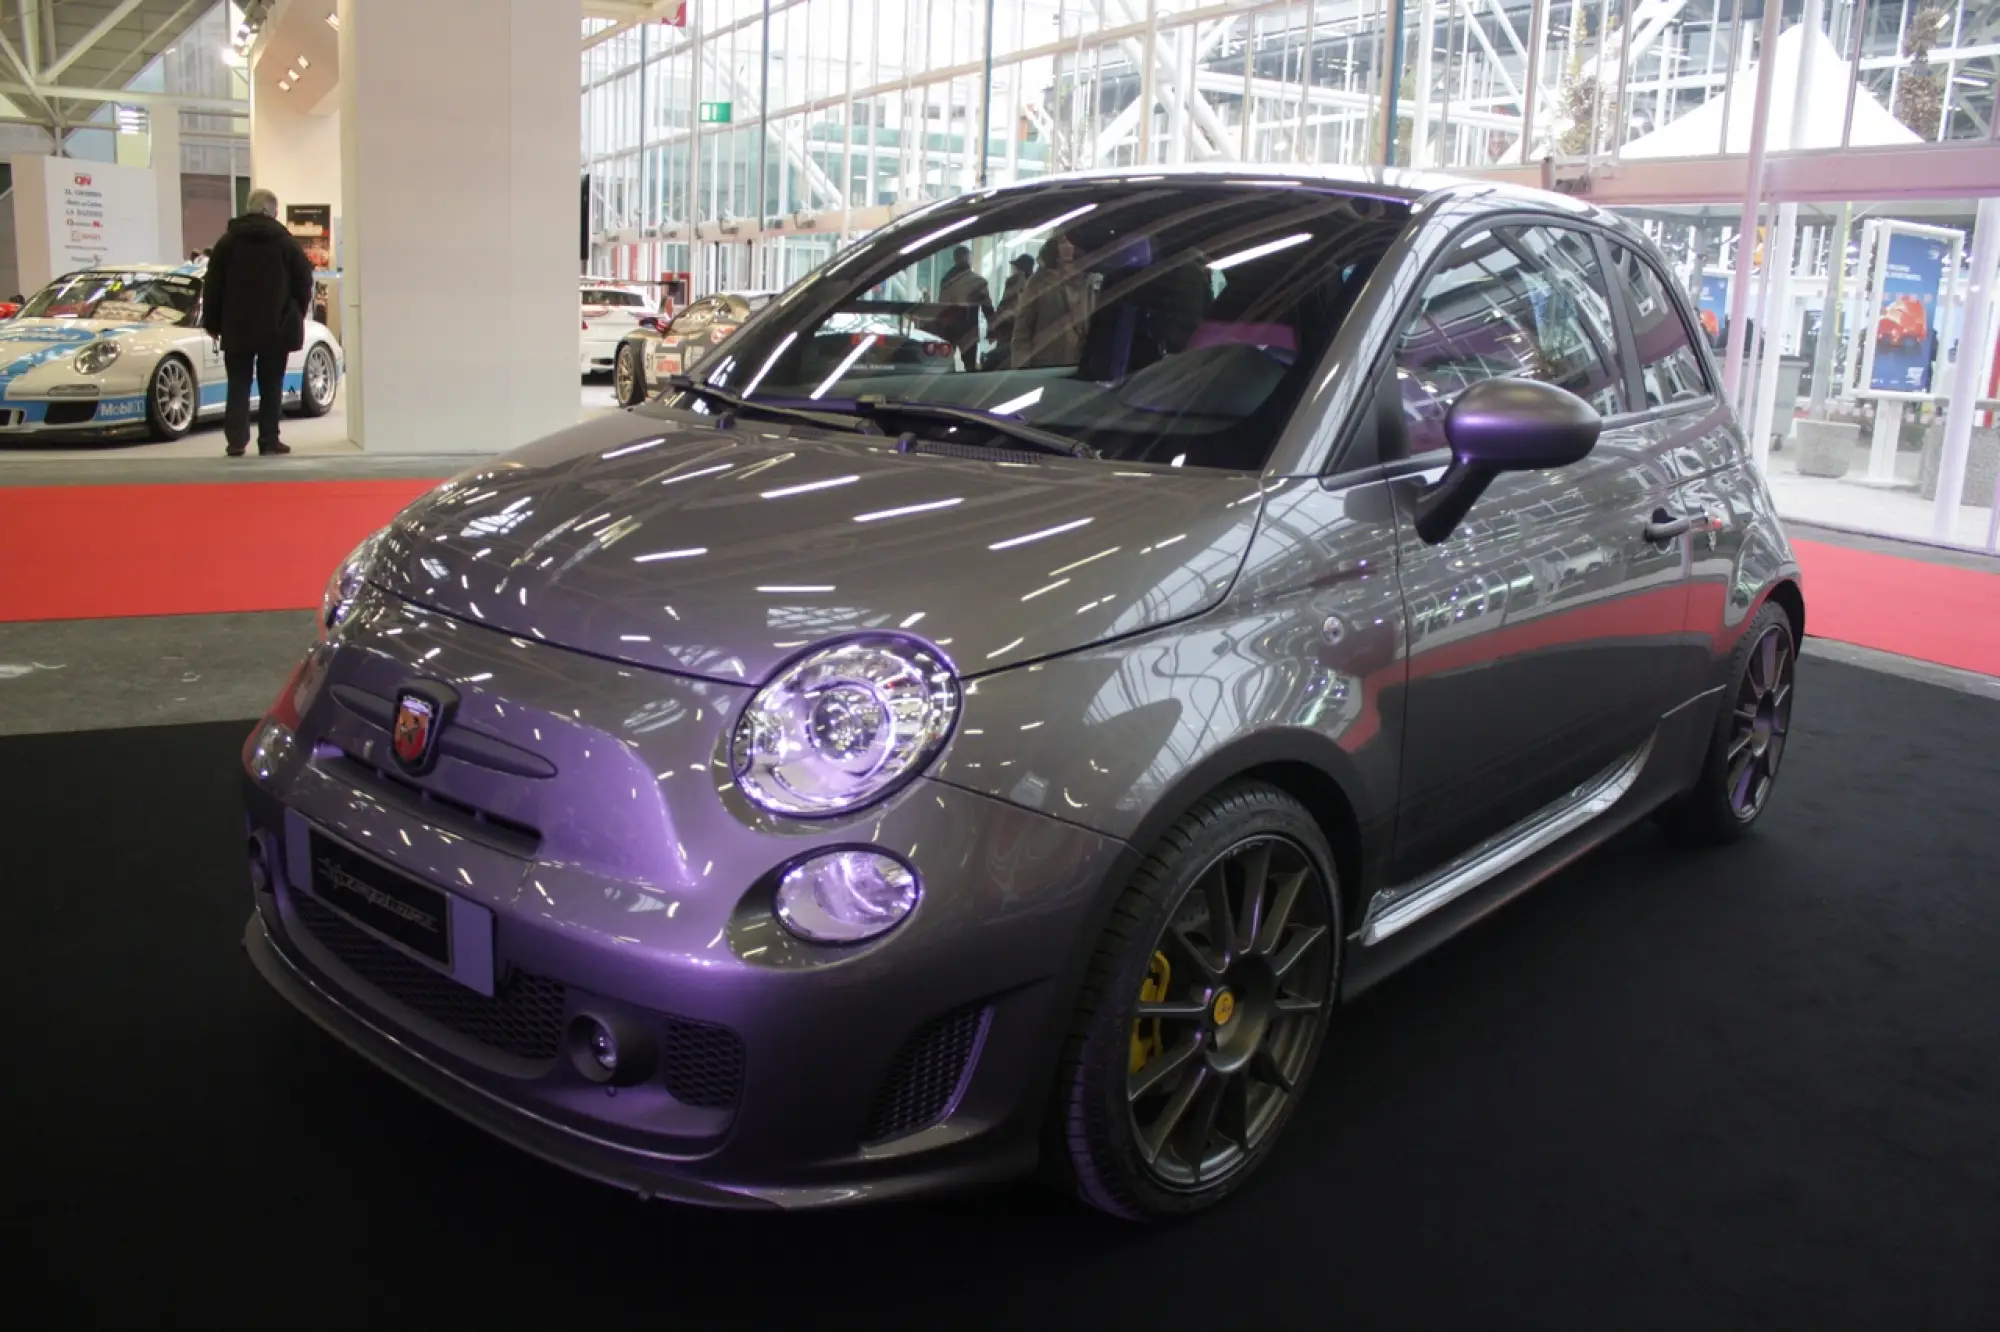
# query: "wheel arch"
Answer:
x=1786 y=593
x=1307 y=766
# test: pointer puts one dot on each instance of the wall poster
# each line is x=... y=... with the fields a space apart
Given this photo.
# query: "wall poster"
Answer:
x=313 y=225
x=1712 y=307
x=1916 y=271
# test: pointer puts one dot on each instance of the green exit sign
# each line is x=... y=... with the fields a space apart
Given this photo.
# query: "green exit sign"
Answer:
x=715 y=113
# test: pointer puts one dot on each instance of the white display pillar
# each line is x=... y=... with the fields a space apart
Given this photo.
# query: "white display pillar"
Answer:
x=165 y=158
x=1968 y=371
x=1773 y=326
x=460 y=122
x=1882 y=445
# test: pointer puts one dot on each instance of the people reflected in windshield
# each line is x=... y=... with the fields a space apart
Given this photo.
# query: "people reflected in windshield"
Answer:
x=1055 y=308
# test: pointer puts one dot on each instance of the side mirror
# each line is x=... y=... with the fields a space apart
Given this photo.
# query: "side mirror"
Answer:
x=1503 y=425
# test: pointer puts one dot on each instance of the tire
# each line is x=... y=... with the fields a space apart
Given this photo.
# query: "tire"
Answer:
x=173 y=399
x=628 y=376
x=1234 y=1032
x=319 y=382
x=1740 y=767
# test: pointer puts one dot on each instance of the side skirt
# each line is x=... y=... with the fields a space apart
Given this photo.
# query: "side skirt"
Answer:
x=1404 y=922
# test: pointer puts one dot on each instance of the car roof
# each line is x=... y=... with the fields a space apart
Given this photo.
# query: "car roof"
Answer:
x=174 y=269
x=1391 y=184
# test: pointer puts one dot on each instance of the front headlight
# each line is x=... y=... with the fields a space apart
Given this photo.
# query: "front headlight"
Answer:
x=844 y=726
x=97 y=357
x=346 y=584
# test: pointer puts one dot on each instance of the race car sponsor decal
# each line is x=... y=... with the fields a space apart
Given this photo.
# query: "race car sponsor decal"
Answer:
x=121 y=409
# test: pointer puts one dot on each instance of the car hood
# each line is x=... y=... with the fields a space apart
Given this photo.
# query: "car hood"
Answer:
x=28 y=343
x=673 y=544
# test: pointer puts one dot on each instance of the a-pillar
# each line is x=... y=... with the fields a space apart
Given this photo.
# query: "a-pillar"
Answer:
x=460 y=125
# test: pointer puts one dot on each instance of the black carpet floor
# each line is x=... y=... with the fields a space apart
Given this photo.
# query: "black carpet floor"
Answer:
x=1757 y=1088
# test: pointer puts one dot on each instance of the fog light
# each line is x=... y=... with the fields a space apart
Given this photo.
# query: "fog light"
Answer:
x=609 y=1050
x=846 y=896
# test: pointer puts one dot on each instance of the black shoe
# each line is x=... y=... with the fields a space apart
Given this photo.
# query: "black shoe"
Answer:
x=236 y=450
x=269 y=449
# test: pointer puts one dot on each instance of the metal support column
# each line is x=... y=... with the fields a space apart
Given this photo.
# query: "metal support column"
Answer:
x=985 y=96
x=1968 y=372
x=1420 y=109
x=1392 y=77
x=1538 y=36
x=1753 y=197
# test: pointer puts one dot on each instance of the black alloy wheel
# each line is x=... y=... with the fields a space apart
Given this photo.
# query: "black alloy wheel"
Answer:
x=1229 y=1040
x=1205 y=1010
x=1760 y=721
x=1741 y=766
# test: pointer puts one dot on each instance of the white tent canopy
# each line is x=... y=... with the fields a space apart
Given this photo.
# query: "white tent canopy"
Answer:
x=1700 y=133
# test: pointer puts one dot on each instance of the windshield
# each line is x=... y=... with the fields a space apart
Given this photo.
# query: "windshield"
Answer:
x=1160 y=322
x=114 y=297
x=609 y=296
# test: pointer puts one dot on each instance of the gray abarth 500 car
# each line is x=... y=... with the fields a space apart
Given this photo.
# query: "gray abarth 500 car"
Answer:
x=849 y=776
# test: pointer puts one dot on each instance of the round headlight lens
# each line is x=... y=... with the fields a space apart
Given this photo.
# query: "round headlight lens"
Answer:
x=846 y=896
x=96 y=357
x=844 y=726
x=346 y=584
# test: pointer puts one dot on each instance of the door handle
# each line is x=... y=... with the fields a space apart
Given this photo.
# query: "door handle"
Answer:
x=1666 y=526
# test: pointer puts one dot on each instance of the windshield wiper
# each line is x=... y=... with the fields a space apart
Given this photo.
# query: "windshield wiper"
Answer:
x=1047 y=441
x=737 y=403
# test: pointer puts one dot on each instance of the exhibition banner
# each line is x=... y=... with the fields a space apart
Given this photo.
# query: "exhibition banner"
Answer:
x=1712 y=306
x=99 y=213
x=1907 y=308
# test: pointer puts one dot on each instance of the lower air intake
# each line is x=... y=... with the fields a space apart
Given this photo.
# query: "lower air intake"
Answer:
x=928 y=1071
x=524 y=1018
x=703 y=1064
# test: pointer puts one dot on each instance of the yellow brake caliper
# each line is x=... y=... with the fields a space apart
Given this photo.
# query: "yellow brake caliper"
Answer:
x=1146 y=1031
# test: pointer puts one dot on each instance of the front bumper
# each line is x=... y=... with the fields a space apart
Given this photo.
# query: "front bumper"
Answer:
x=65 y=417
x=790 y=1076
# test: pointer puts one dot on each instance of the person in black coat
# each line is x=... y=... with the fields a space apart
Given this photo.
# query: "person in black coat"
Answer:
x=259 y=287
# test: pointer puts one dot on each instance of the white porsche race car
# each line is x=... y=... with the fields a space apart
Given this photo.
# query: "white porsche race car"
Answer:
x=110 y=352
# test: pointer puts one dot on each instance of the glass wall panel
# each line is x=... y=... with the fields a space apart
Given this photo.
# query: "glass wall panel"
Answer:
x=1866 y=346
x=703 y=147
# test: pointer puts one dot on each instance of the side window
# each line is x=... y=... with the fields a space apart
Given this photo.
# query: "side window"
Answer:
x=1510 y=301
x=1669 y=364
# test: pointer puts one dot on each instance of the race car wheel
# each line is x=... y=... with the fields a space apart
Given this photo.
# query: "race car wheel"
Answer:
x=171 y=399
x=1203 y=1010
x=628 y=377
x=1741 y=765
x=318 y=383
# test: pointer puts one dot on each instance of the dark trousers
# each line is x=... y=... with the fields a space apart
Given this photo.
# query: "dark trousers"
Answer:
x=267 y=365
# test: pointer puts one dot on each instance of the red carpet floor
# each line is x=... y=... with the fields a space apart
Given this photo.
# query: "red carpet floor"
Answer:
x=1914 y=608
x=85 y=552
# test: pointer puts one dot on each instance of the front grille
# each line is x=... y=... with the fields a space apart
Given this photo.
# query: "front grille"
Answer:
x=703 y=1064
x=927 y=1073
x=69 y=413
x=469 y=821
x=524 y=1018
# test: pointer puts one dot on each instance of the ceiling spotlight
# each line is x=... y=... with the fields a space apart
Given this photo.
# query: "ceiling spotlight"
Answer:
x=333 y=20
x=304 y=63
x=284 y=85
